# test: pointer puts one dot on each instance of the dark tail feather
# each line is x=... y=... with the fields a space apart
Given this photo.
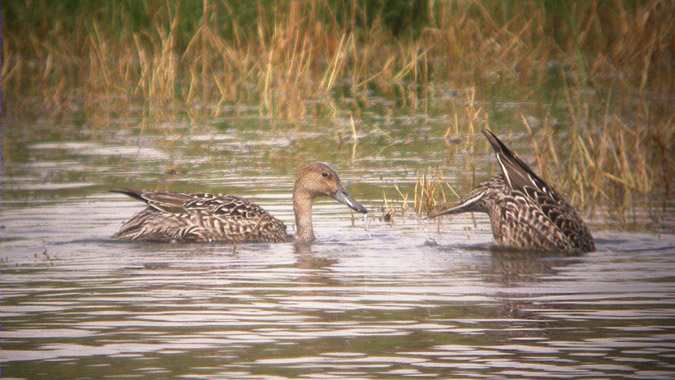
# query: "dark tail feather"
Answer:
x=132 y=193
x=517 y=172
x=470 y=204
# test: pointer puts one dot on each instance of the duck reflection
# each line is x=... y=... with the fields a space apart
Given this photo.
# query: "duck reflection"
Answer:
x=307 y=260
x=519 y=270
x=509 y=267
x=517 y=277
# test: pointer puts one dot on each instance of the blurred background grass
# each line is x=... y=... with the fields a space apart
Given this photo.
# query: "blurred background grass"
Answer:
x=69 y=53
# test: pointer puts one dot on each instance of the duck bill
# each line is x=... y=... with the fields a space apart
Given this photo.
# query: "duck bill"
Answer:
x=344 y=198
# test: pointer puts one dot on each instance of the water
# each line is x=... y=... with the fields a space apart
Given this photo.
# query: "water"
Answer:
x=369 y=299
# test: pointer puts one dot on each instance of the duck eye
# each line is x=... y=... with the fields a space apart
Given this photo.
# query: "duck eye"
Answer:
x=325 y=174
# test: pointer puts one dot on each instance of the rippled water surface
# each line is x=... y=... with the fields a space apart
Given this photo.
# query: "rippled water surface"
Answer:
x=410 y=298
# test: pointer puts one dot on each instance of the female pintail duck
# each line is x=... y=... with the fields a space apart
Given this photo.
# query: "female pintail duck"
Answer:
x=181 y=217
x=525 y=212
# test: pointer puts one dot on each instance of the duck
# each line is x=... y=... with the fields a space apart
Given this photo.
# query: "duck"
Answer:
x=525 y=212
x=204 y=217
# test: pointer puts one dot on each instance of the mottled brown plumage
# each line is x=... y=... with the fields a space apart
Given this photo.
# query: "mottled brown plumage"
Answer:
x=525 y=212
x=204 y=217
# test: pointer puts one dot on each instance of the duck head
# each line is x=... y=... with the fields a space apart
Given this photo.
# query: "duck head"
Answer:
x=320 y=179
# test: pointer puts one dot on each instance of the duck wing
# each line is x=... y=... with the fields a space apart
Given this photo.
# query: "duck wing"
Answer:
x=224 y=205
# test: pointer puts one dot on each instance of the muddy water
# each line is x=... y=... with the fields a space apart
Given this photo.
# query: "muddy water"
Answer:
x=369 y=299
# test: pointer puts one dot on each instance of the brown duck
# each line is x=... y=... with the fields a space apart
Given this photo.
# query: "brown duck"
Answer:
x=525 y=212
x=203 y=217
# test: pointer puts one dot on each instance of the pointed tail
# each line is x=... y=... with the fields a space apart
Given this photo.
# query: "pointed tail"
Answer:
x=132 y=193
x=515 y=170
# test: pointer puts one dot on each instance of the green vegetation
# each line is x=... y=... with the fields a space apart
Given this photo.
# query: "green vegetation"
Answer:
x=604 y=68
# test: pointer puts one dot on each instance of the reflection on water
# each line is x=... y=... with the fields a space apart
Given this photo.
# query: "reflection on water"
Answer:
x=368 y=299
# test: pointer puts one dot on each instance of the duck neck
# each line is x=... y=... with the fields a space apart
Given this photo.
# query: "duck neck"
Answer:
x=302 y=207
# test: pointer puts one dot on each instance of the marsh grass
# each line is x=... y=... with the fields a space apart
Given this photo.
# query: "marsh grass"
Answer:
x=429 y=191
x=293 y=57
x=616 y=165
x=606 y=67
